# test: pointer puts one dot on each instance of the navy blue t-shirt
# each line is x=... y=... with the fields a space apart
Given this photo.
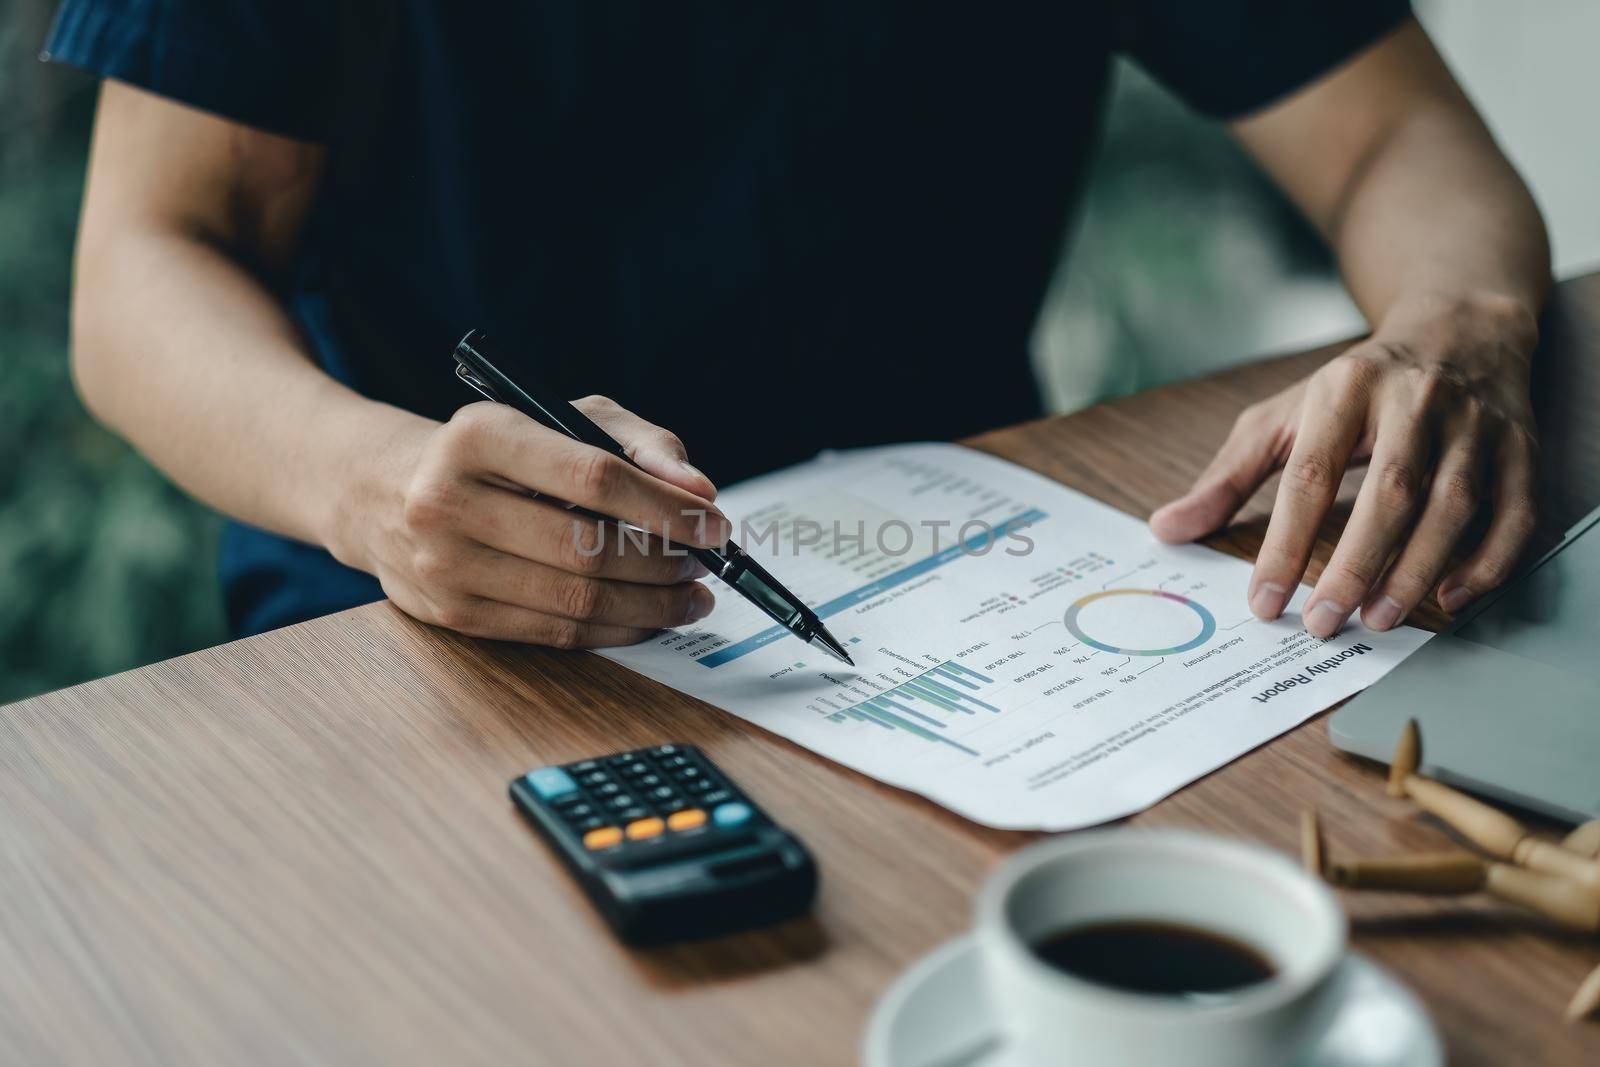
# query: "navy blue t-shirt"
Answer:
x=851 y=207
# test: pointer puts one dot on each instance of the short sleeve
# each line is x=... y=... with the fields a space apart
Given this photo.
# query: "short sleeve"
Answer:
x=1231 y=57
x=265 y=63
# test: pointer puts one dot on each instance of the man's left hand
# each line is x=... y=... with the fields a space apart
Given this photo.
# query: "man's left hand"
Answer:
x=1436 y=403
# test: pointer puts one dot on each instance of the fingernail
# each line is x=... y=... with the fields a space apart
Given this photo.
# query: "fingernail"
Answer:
x=1455 y=598
x=1325 y=618
x=700 y=603
x=1382 y=614
x=1268 y=599
x=1159 y=520
x=692 y=569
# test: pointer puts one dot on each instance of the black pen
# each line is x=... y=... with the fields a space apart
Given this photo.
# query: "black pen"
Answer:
x=747 y=577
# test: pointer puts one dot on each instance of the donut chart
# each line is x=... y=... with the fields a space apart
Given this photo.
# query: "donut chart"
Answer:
x=1208 y=624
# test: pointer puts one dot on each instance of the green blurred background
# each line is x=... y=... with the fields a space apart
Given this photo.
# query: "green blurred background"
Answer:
x=1182 y=260
x=103 y=564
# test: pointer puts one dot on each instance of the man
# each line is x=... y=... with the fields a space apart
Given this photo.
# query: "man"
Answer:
x=770 y=227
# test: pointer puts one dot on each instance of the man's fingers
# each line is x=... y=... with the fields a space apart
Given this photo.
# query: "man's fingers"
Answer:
x=511 y=622
x=1383 y=511
x=1251 y=452
x=1516 y=513
x=601 y=482
x=1331 y=422
x=518 y=525
x=657 y=450
x=1451 y=503
x=495 y=440
x=581 y=598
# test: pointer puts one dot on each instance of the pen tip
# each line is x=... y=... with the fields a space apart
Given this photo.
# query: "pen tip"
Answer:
x=827 y=641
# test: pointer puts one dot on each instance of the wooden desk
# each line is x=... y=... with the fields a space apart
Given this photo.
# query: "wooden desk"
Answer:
x=297 y=848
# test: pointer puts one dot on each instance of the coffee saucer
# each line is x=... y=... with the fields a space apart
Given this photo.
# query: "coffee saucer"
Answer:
x=936 y=1014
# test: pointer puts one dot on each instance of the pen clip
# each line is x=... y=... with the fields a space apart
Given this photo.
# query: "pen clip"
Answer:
x=466 y=375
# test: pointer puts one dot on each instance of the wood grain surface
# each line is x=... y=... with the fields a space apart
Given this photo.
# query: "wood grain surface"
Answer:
x=298 y=849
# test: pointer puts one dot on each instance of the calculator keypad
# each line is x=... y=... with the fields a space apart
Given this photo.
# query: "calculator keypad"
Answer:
x=666 y=846
x=644 y=796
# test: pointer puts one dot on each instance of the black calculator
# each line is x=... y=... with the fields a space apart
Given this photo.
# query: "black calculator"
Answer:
x=666 y=846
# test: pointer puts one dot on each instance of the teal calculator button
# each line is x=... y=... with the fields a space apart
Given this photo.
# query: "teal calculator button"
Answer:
x=551 y=782
x=732 y=813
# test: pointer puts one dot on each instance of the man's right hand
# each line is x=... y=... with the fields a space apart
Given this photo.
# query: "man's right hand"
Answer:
x=180 y=343
x=453 y=530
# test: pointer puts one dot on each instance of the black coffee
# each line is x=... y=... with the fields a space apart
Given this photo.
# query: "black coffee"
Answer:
x=1164 y=959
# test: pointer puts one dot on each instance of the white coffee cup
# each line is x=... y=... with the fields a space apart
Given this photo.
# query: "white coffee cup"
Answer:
x=1211 y=883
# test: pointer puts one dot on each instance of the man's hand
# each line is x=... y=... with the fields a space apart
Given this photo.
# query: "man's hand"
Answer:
x=452 y=528
x=1437 y=404
x=1443 y=249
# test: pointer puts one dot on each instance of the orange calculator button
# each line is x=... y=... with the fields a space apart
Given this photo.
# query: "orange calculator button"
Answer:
x=687 y=819
x=645 y=828
x=604 y=837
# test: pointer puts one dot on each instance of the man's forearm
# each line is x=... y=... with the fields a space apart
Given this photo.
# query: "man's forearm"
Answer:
x=1435 y=215
x=192 y=359
x=1387 y=157
x=1444 y=251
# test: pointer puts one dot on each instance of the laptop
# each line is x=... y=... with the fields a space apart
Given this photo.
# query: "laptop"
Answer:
x=1508 y=698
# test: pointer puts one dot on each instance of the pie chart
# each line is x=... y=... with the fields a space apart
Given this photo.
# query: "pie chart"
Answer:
x=1140 y=622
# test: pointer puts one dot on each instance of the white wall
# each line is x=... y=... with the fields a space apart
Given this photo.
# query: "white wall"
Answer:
x=1533 y=69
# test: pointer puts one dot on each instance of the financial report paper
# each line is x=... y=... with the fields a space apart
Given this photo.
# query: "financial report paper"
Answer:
x=1025 y=655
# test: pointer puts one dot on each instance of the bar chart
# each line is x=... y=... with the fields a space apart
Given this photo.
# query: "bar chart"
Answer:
x=924 y=706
